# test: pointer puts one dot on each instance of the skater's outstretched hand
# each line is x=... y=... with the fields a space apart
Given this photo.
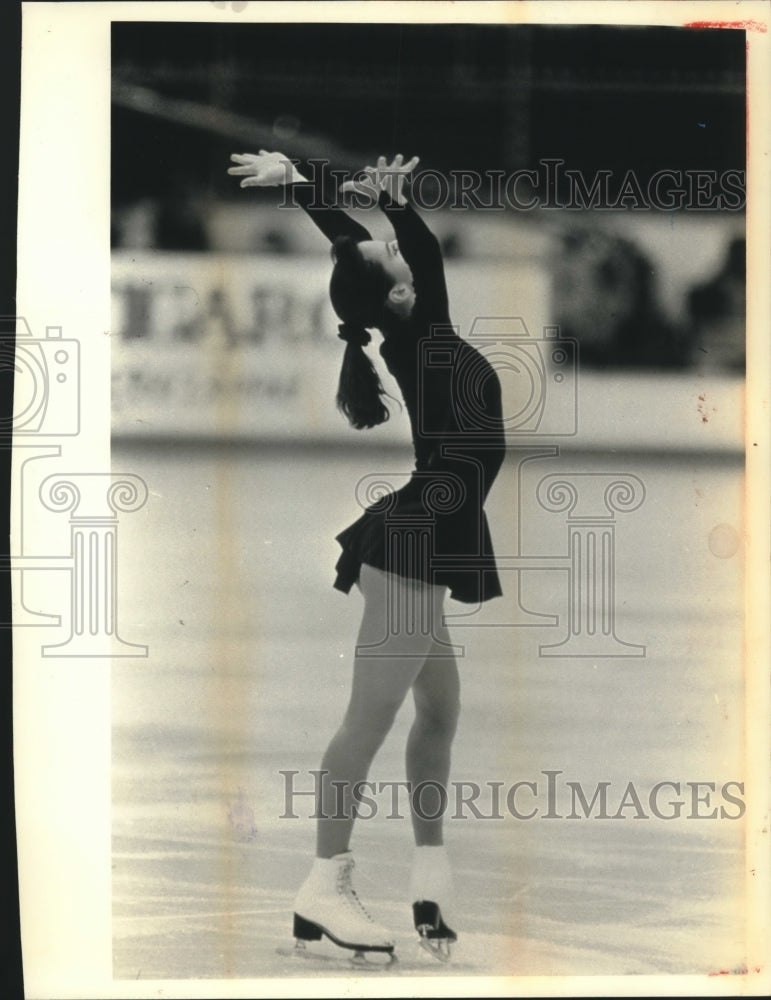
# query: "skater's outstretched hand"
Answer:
x=264 y=169
x=389 y=177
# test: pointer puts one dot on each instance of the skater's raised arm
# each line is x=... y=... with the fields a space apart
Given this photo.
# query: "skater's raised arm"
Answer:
x=266 y=169
x=420 y=249
x=415 y=242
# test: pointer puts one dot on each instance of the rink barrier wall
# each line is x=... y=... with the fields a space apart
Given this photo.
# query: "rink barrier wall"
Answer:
x=236 y=348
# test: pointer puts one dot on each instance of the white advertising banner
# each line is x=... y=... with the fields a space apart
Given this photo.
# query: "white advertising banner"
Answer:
x=237 y=346
x=244 y=347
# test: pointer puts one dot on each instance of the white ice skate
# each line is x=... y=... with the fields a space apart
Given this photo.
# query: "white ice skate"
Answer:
x=327 y=906
x=431 y=892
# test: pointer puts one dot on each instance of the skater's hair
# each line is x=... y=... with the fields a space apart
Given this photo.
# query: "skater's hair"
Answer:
x=359 y=291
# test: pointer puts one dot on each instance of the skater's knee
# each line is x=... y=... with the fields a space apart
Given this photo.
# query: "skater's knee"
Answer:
x=437 y=718
x=364 y=742
x=366 y=731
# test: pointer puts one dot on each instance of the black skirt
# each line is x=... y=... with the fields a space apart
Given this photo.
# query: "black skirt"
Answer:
x=407 y=534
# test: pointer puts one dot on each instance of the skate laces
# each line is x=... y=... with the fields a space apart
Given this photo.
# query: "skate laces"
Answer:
x=346 y=889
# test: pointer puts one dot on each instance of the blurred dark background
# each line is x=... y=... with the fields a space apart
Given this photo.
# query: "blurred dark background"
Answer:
x=481 y=97
x=466 y=96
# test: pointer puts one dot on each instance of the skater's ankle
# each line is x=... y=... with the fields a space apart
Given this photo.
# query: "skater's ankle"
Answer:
x=323 y=856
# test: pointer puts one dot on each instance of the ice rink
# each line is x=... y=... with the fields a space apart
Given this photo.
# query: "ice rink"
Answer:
x=226 y=575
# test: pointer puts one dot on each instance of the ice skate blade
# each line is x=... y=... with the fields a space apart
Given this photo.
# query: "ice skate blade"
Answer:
x=435 y=936
x=374 y=960
x=438 y=948
x=367 y=961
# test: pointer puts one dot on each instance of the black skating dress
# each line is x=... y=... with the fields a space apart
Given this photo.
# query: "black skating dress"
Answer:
x=433 y=528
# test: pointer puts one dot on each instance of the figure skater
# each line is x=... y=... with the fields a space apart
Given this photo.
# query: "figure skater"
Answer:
x=407 y=549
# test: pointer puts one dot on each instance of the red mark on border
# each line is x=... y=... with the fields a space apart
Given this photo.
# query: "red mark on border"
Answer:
x=733 y=972
x=744 y=25
x=759 y=26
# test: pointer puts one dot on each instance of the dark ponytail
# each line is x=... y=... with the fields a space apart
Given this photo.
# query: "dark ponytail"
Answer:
x=359 y=392
x=358 y=290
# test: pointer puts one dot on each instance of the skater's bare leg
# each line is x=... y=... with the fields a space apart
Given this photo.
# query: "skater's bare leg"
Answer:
x=397 y=621
x=436 y=692
x=437 y=704
x=379 y=688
